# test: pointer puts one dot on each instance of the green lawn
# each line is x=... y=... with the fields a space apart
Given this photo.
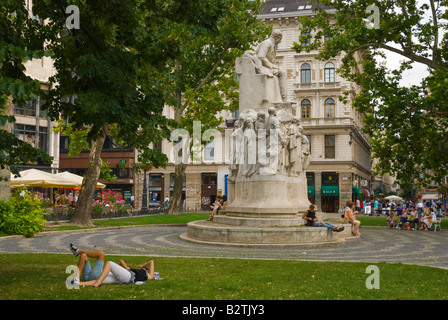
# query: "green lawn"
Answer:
x=42 y=277
x=181 y=218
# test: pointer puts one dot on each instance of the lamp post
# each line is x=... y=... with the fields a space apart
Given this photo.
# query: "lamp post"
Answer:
x=145 y=193
x=145 y=167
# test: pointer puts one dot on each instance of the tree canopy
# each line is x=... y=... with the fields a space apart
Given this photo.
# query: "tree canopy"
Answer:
x=19 y=42
x=205 y=38
x=407 y=124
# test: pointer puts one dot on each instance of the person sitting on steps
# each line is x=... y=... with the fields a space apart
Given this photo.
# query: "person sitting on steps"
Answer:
x=312 y=221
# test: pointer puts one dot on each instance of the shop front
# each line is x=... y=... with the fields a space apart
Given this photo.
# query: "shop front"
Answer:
x=155 y=189
x=330 y=192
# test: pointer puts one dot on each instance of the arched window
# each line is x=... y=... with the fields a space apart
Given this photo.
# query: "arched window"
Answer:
x=329 y=108
x=329 y=72
x=305 y=107
x=305 y=73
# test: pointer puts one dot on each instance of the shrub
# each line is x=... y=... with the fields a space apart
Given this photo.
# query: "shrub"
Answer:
x=45 y=202
x=64 y=199
x=22 y=214
x=111 y=199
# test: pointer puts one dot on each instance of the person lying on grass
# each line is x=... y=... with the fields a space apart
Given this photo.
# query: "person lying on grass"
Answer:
x=111 y=272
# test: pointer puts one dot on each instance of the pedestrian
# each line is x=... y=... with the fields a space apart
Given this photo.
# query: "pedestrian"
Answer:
x=313 y=221
x=439 y=208
x=350 y=213
x=166 y=203
x=420 y=208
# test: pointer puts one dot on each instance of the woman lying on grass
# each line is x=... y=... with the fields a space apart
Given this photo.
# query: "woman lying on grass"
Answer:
x=109 y=271
x=121 y=273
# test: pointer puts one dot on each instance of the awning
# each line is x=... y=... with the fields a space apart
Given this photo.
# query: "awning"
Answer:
x=310 y=191
x=330 y=191
x=356 y=191
x=430 y=196
x=366 y=193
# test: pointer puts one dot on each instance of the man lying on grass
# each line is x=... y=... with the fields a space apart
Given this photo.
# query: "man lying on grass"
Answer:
x=109 y=271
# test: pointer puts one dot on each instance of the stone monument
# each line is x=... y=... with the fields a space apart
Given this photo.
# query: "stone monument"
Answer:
x=267 y=185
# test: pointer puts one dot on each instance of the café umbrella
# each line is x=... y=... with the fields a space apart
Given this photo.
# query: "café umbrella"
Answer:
x=38 y=178
x=393 y=198
x=78 y=179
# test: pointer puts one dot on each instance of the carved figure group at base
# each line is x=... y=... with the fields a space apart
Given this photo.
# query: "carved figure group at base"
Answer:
x=267 y=144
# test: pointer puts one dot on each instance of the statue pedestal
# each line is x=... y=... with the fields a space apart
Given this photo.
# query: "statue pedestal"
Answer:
x=267 y=187
x=265 y=211
x=268 y=196
x=254 y=233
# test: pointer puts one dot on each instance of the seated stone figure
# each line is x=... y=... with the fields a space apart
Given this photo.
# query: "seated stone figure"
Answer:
x=261 y=80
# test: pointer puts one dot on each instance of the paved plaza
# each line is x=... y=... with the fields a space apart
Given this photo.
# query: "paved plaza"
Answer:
x=425 y=248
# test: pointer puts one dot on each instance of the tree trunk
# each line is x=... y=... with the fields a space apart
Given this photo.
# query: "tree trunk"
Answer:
x=83 y=210
x=179 y=172
x=5 y=186
x=176 y=198
x=5 y=174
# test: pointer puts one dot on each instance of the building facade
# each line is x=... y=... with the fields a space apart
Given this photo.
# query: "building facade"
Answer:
x=119 y=159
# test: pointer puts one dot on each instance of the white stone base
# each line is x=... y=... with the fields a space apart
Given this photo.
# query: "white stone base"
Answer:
x=262 y=232
x=270 y=196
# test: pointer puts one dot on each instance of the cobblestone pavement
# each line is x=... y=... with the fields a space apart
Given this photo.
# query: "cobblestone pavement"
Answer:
x=426 y=248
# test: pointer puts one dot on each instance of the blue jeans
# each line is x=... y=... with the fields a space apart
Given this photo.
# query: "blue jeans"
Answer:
x=324 y=224
x=89 y=274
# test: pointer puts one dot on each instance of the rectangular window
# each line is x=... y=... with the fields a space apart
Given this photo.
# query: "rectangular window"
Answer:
x=29 y=109
x=157 y=146
x=155 y=180
x=209 y=178
x=305 y=75
x=329 y=75
x=329 y=111
x=330 y=147
x=26 y=133
x=306 y=111
x=43 y=139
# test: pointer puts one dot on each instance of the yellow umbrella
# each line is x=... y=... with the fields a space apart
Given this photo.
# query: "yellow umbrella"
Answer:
x=78 y=179
x=38 y=178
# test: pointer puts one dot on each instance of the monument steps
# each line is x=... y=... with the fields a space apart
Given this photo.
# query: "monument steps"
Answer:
x=243 y=232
